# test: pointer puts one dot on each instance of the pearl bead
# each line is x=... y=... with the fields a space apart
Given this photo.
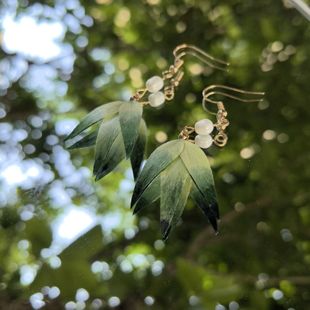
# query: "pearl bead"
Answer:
x=154 y=84
x=203 y=141
x=157 y=99
x=204 y=127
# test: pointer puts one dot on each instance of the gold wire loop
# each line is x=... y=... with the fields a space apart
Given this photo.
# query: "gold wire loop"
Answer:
x=220 y=139
x=139 y=94
x=186 y=132
x=187 y=49
x=169 y=92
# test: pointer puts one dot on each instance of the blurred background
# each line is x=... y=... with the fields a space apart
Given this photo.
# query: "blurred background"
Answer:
x=67 y=242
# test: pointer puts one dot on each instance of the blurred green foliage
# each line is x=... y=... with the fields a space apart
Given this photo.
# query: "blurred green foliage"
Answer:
x=261 y=258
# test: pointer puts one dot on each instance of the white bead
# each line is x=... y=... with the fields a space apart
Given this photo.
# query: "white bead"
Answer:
x=204 y=127
x=154 y=84
x=203 y=141
x=157 y=99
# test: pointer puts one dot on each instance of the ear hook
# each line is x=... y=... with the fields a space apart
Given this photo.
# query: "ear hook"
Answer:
x=184 y=49
x=158 y=90
x=207 y=93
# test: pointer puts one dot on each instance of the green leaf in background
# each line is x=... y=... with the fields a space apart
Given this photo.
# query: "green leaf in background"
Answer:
x=156 y=163
x=130 y=114
x=74 y=271
x=85 y=246
x=175 y=185
x=41 y=240
x=107 y=110
x=211 y=288
x=138 y=151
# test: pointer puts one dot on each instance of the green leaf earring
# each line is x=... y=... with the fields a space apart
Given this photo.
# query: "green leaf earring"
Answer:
x=179 y=169
x=118 y=130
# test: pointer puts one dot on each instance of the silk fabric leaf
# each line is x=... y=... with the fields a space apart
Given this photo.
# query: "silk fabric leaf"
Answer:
x=201 y=202
x=175 y=185
x=86 y=141
x=149 y=196
x=130 y=114
x=113 y=158
x=137 y=154
x=198 y=167
x=96 y=115
x=157 y=162
x=108 y=131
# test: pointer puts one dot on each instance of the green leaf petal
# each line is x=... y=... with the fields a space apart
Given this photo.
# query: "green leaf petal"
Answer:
x=130 y=114
x=114 y=157
x=199 y=168
x=137 y=154
x=157 y=162
x=86 y=141
x=96 y=115
x=149 y=196
x=175 y=185
x=202 y=203
x=108 y=131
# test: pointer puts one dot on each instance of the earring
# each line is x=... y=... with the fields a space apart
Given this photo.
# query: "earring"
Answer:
x=118 y=129
x=205 y=127
x=179 y=169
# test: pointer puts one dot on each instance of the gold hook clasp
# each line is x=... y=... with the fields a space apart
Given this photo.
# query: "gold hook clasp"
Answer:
x=212 y=90
x=222 y=123
x=186 y=49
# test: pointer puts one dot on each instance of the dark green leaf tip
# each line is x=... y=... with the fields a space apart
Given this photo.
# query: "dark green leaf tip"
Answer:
x=135 y=210
x=165 y=228
x=215 y=208
x=137 y=155
x=213 y=221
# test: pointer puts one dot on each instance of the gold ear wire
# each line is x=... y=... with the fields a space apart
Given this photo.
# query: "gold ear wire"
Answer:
x=210 y=91
x=172 y=77
x=220 y=139
x=187 y=49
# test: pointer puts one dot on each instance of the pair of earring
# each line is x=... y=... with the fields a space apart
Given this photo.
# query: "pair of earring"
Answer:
x=118 y=129
x=177 y=169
